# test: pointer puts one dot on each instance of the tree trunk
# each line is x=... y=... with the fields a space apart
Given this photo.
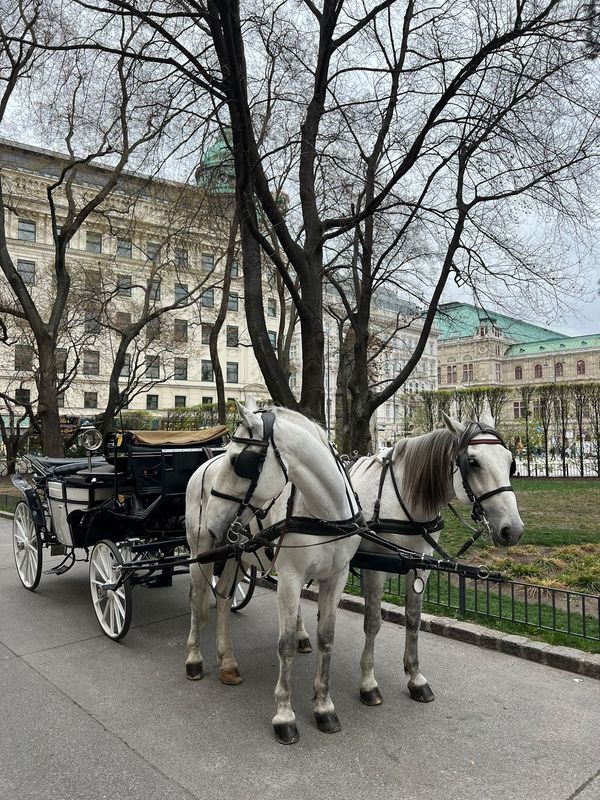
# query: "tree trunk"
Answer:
x=52 y=442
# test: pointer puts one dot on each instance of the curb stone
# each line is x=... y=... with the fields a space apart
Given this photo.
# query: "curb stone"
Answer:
x=566 y=658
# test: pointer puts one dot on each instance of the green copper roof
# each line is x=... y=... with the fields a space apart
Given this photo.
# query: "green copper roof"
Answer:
x=459 y=320
x=554 y=345
x=216 y=172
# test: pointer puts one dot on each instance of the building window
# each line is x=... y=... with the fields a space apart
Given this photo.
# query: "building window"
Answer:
x=207 y=401
x=272 y=338
x=439 y=374
x=181 y=292
x=26 y=270
x=180 y=401
x=124 y=285
x=233 y=301
x=22 y=396
x=154 y=289
x=90 y=399
x=180 y=372
x=518 y=409
x=180 y=330
x=271 y=307
x=235 y=268
x=151 y=402
x=91 y=362
x=93 y=242
x=206 y=371
x=153 y=329
x=26 y=230
x=153 y=254
x=518 y=373
x=152 y=367
x=181 y=257
x=60 y=400
x=451 y=374
x=581 y=367
x=559 y=369
x=232 y=372
x=207 y=262
x=467 y=373
x=207 y=299
x=93 y=281
x=60 y=359
x=124 y=248
x=206 y=331
x=122 y=321
x=91 y=323
x=498 y=371
x=538 y=371
x=126 y=368
x=23 y=357
x=232 y=336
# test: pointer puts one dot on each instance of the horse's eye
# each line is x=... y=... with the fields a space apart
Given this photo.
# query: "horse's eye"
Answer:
x=473 y=462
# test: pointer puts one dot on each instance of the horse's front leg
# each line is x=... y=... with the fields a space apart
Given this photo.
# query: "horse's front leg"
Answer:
x=288 y=604
x=418 y=685
x=228 y=669
x=200 y=578
x=372 y=583
x=330 y=591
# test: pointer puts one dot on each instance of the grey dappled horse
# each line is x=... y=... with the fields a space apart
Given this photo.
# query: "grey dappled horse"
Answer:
x=224 y=494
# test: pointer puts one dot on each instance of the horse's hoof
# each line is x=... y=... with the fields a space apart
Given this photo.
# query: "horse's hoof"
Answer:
x=423 y=694
x=371 y=697
x=286 y=733
x=328 y=722
x=304 y=645
x=230 y=677
x=193 y=671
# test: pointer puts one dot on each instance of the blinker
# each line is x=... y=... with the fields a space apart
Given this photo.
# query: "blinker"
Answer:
x=248 y=464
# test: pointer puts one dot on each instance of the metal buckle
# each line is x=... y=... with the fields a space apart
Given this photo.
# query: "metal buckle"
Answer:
x=483 y=572
x=236 y=529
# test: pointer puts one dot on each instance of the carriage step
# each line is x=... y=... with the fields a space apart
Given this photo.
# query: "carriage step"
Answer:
x=58 y=550
x=58 y=570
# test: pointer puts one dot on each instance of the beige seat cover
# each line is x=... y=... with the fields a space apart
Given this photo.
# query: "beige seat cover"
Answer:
x=167 y=438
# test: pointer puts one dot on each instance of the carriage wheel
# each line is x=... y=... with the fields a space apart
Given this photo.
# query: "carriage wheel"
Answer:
x=27 y=547
x=112 y=606
x=244 y=590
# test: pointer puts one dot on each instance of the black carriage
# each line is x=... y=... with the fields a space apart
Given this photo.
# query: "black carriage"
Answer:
x=123 y=512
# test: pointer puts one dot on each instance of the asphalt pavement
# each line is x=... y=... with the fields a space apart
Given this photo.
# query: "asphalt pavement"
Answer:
x=84 y=717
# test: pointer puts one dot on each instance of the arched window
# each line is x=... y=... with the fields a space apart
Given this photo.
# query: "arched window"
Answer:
x=518 y=373
x=559 y=369
x=537 y=371
x=581 y=367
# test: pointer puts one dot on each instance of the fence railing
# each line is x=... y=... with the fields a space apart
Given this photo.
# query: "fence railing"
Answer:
x=527 y=605
x=537 y=469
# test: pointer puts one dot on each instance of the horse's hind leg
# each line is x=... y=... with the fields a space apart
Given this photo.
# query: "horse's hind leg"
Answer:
x=228 y=669
x=330 y=591
x=288 y=603
x=418 y=685
x=304 y=645
x=200 y=577
x=372 y=583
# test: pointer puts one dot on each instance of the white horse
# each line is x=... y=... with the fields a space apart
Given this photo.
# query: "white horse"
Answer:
x=225 y=494
x=424 y=474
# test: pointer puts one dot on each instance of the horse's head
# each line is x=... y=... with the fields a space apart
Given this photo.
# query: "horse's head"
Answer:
x=484 y=466
x=252 y=472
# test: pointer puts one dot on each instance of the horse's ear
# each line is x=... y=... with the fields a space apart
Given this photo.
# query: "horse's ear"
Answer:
x=246 y=415
x=251 y=404
x=453 y=425
x=487 y=420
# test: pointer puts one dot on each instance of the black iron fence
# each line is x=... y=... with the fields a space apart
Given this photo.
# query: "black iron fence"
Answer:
x=528 y=606
x=572 y=469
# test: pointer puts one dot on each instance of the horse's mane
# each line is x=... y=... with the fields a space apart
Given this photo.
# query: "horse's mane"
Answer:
x=427 y=464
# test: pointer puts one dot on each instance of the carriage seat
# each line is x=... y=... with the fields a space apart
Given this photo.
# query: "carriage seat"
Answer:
x=60 y=467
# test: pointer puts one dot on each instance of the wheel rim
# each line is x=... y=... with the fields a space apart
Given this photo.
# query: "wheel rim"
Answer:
x=25 y=546
x=110 y=605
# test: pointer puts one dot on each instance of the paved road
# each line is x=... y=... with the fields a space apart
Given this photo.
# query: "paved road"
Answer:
x=84 y=717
